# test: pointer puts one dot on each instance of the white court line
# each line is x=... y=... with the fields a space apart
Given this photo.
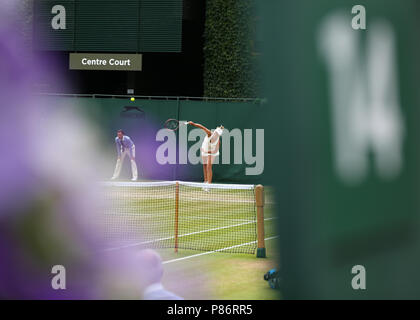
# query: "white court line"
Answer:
x=218 y=250
x=184 y=235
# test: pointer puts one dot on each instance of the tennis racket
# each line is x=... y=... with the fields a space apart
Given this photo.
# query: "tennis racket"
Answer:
x=173 y=124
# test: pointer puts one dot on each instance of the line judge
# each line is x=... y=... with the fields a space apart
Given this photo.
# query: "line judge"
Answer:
x=125 y=146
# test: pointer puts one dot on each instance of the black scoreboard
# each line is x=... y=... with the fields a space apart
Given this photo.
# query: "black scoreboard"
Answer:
x=108 y=25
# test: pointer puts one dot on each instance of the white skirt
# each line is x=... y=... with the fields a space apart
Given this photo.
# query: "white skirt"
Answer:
x=206 y=154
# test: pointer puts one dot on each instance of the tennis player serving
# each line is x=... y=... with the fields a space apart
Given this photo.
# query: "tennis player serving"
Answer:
x=209 y=149
x=125 y=146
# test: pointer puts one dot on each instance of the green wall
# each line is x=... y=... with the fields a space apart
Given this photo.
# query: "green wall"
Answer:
x=105 y=114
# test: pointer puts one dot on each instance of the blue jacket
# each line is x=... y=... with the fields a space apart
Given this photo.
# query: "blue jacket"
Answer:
x=124 y=144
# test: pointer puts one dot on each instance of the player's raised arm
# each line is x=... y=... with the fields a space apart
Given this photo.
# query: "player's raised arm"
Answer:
x=197 y=125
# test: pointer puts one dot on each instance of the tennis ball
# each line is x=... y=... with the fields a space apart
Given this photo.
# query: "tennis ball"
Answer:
x=133 y=99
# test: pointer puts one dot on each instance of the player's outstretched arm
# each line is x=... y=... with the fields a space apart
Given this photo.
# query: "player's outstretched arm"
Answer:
x=197 y=125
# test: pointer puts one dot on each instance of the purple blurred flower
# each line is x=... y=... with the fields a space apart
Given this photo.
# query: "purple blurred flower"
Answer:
x=46 y=201
x=48 y=197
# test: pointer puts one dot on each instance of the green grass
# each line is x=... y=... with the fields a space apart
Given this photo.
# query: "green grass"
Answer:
x=207 y=221
x=220 y=275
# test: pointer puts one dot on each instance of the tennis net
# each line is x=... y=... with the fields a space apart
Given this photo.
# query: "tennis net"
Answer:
x=184 y=215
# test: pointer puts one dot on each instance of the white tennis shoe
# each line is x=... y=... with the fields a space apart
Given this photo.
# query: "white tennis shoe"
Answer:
x=206 y=189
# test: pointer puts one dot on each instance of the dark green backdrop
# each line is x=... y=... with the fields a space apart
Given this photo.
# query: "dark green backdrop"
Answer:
x=110 y=26
x=105 y=114
x=327 y=226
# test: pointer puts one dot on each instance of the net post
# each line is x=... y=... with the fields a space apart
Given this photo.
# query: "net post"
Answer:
x=259 y=200
x=176 y=215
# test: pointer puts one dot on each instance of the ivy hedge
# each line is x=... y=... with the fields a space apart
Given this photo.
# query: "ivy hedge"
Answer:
x=230 y=61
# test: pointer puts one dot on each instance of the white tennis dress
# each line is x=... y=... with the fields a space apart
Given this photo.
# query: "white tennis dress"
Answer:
x=209 y=146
